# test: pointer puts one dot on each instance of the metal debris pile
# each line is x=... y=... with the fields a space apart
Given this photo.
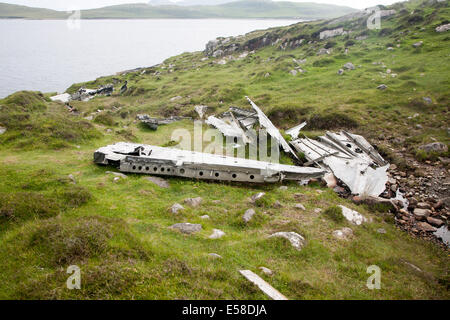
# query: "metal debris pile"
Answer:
x=346 y=161
x=84 y=94
x=154 y=123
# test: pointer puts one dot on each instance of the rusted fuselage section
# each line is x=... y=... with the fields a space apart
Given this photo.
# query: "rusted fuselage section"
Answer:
x=153 y=160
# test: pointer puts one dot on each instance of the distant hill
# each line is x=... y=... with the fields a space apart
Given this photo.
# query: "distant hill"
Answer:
x=247 y=9
x=188 y=2
x=12 y=11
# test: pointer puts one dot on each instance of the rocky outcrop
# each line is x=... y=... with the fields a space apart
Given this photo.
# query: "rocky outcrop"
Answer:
x=332 y=33
x=434 y=147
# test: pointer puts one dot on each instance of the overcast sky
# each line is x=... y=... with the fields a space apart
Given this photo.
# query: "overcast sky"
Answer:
x=86 y=4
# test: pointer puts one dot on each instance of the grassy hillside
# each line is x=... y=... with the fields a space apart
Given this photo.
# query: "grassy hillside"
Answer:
x=248 y=9
x=12 y=11
x=117 y=231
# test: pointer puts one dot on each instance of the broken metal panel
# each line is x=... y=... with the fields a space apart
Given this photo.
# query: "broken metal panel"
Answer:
x=154 y=123
x=263 y=285
x=295 y=131
x=145 y=159
x=315 y=151
x=64 y=97
x=351 y=158
x=247 y=118
x=228 y=129
x=271 y=129
x=362 y=143
x=359 y=176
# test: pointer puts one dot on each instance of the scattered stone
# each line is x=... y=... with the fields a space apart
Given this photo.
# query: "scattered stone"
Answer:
x=176 y=207
x=215 y=256
x=434 y=147
x=418 y=44
x=353 y=216
x=343 y=234
x=427 y=100
x=382 y=87
x=89 y=118
x=72 y=178
x=349 y=66
x=205 y=217
x=176 y=98
x=423 y=205
x=293 y=72
x=340 y=72
x=267 y=75
x=257 y=196
x=296 y=240
x=117 y=174
x=278 y=205
x=266 y=271
x=423 y=226
x=323 y=51
x=443 y=28
x=248 y=215
x=159 y=182
x=283 y=188
x=390 y=49
x=421 y=214
x=116 y=179
x=317 y=210
x=216 y=201
x=2 y=130
x=194 y=202
x=381 y=231
x=439 y=204
x=299 y=206
x=187 y=228
x=330 y=180
x=435 y=222
x=217 y=234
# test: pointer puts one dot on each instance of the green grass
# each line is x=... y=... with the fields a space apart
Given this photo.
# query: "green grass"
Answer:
x=117 y=232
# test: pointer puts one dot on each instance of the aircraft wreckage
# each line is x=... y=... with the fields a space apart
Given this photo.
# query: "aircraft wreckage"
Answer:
x=348 y=157
x=146 y=159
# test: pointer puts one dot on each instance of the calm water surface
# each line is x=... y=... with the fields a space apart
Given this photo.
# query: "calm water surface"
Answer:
x=49 y=56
